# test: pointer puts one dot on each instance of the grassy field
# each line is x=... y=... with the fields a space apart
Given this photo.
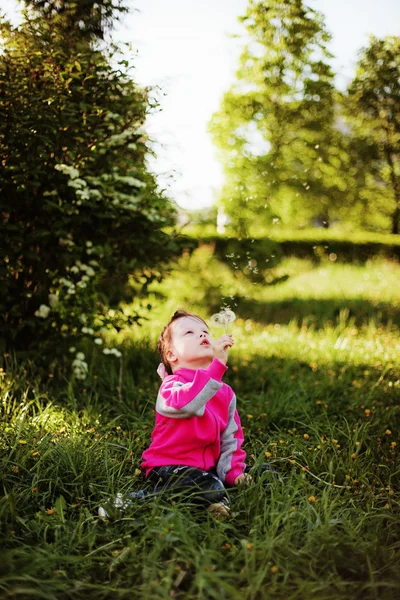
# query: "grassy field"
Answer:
x=316 y=371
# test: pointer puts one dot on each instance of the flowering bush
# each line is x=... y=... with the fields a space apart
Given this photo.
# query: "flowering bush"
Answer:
x=81 y=214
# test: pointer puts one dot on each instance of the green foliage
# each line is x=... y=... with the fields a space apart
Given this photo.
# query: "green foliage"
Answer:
x=281 y=151
x=372 y=106
x=292 y=146
x=80 y=211
x=90 y=17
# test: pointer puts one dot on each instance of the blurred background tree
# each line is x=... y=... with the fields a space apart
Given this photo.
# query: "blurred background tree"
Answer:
x=372 y=109
x=80 y=211
x=292 y=146
x=276 y=128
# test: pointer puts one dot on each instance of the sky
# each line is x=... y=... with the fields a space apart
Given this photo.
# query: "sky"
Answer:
x=186 y=48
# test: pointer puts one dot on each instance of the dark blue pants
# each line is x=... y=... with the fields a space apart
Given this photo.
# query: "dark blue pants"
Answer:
x=204 y=487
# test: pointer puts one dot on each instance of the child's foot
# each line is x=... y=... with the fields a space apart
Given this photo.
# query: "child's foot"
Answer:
x=219 y=510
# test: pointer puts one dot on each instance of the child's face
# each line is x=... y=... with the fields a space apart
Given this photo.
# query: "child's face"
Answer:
x=191 y=344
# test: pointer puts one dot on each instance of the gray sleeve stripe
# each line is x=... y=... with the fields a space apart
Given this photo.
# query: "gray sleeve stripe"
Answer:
x=195 y=407
x=228 y=442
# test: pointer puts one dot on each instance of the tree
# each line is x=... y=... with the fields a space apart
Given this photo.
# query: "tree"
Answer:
x=88 y=17
x=373 y=109
x=80 y=212
x=276 y=129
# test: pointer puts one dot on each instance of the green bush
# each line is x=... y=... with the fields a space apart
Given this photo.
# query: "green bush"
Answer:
x=79 y=209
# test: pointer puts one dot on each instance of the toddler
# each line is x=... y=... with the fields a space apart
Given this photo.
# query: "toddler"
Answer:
x=197 y=438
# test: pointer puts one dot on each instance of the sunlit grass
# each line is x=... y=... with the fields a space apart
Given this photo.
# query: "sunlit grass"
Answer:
x=318 y=393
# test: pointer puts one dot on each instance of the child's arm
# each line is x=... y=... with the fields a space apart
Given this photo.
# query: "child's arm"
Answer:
x=231 y=463
x=183 y=400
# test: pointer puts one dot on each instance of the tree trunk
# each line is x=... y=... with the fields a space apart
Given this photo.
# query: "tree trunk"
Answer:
x=395 y=220
x=395 y=180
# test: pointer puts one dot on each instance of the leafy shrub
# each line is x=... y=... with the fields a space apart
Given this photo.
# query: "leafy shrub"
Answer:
x=80 y=212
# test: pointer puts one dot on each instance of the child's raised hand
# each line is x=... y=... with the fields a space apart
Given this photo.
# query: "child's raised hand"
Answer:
x=221 y=347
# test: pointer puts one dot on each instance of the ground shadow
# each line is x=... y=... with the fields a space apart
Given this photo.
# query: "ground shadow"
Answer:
x=318 y=312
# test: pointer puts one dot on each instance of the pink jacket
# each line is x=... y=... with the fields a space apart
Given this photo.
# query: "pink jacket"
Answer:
x=197 y=424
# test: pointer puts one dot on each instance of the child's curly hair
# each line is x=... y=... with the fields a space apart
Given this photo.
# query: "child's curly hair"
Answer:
x=164 y=341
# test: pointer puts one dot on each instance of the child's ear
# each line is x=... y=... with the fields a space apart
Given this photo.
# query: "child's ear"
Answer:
x=171 y=357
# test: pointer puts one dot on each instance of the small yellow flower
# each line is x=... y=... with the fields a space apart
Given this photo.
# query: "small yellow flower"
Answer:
x=274 y=569
x=354 y=456
x=35 y=453
x=15 y=469
x=138 y=472
x=34 y=490
x=226 y=546
x=249 y=546
x=22 y=442
x=268 y=454
x=388 y=432
x=306 y=436
x=50 y=511
x=367 y=412
x=312 y=499
x=249 y=416
x=393 y=444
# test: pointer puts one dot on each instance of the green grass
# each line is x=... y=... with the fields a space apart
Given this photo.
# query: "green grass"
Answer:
x=282 y=234
x=316 y=370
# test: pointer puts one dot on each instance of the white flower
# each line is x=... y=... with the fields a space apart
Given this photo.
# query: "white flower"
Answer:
x=116 y=352
x=85 y=330
x=74 y=269
x=79 y=367
x=106 y=351
x=43 y=311
x=70 y=171
x=81 y=284
x=89 y=272
x=98 y=341
x=66 y=282
x=89 y=244
x=53 y=300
